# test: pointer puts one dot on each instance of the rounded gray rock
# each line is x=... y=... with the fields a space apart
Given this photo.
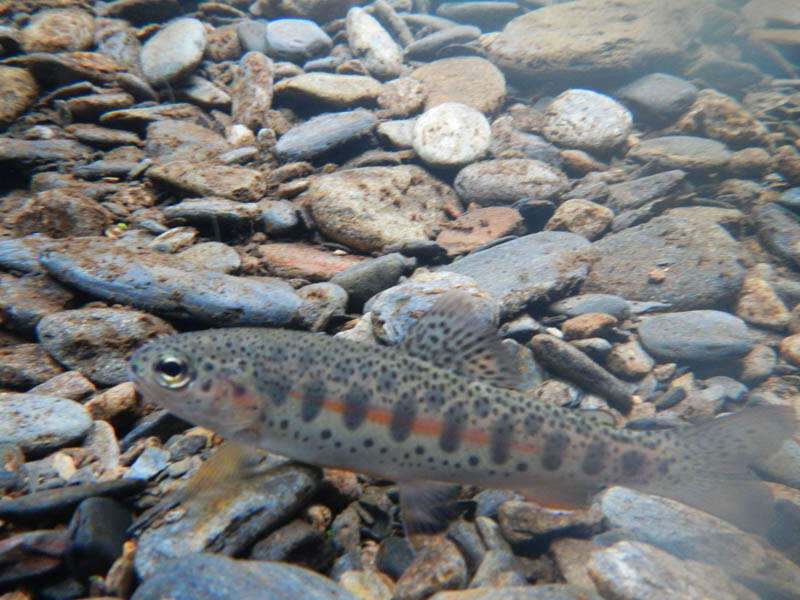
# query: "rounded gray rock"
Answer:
x=695 y=336
x=451 y=134
x=658 y=97
x=587 y=120
x=173 y=52
x=212 y=255
x=97 y=341
x=252 y=35
x=296 y=40
x=509 y=180
x=40 y=424
x=369 y=41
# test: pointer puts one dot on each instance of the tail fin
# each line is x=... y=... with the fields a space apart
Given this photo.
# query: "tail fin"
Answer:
x=711 y=467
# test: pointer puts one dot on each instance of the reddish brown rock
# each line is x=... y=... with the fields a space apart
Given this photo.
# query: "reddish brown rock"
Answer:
x=209 y=179
x=56 y=213
x=588 y=325
x=583 y=217
x=478 y=227
x=59 y=30
x=790 y=349
x=305 y=261
x=717 y=116
x=470 y=80
x=18 y=90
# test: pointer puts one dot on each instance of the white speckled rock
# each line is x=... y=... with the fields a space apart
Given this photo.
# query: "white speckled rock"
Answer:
x=373 y=207
x=587 y=120
x=173 y=52
x=451 y=134
x=370 y=42
x=39 y=424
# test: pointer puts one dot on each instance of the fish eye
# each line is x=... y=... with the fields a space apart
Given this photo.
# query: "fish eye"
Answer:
x=172 y=371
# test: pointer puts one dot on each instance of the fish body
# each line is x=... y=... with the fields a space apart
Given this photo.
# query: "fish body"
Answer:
x=426 y=412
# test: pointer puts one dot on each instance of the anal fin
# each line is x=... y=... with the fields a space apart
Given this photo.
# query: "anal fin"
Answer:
x=427 y=507
x=559 y=497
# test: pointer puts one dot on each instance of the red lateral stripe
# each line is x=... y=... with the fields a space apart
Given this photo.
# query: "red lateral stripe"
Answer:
x=421 y=426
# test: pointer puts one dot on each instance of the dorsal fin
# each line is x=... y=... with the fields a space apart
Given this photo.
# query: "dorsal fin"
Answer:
x=454 y=334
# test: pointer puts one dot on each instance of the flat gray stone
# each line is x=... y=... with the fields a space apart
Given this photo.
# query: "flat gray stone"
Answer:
x=98 y=341
x=690 y=153
x=634 y=570
x=215 y=577
x=228 y=518
x=323 y=133
x=701 y=257
x=688 y=533
x=40 y=424
x=489 y=16
x=509 y=180
x=695 y=336
x=635 y=193
x=173 y=52
x=779 y=230
x=169 y=286
x=364 y=280
x=531 y=268
x=27 y=153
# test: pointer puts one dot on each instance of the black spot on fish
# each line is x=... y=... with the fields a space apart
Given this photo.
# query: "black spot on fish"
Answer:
x=532 y=423
x=631 y=462
x=521 y=467
x=473 y=461
x=403 y=415
x=595 y=457
x=434 y=398
x=500 y=437
x=276 y=353
x=553 y=451
x=276 y=390
x=454 y=418
x=387 y=381
x=356 y=403
x=206 y=385
x=325 y=434
x=313 y=399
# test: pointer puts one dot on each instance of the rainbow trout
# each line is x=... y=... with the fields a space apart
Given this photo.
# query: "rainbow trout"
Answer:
x=440 y=409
